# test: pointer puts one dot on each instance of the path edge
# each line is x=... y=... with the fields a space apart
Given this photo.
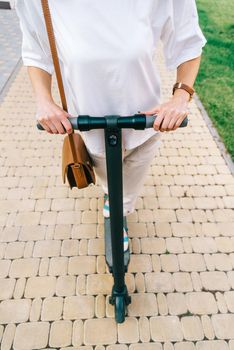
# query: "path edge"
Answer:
x=215 y=134
x=10 y=80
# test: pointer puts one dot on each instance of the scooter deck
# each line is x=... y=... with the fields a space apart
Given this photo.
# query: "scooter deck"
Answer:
x=108 y=249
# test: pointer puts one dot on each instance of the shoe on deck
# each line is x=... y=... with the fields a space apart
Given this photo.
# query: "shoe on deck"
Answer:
x=106 y=214
x=106 y=208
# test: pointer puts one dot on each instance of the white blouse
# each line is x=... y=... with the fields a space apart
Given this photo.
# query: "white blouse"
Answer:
x=106 y=50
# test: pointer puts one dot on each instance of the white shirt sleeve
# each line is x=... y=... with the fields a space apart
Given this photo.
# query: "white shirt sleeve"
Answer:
x=34 y=52
x=181 y=34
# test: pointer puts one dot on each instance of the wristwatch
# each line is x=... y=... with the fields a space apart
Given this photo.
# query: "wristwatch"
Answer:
x=185 y=87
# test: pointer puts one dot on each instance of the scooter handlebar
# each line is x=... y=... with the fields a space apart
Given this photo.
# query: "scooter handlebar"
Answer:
x=137 y=121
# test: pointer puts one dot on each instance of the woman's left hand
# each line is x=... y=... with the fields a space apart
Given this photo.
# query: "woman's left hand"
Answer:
x=169 y=114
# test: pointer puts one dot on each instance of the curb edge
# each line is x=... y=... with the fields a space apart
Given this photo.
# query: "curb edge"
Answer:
x=215 y=134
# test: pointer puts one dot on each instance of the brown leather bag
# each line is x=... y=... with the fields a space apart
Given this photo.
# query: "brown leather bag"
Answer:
x=77 y=164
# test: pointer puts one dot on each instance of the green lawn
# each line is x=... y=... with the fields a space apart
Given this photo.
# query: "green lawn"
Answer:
x=215 y=81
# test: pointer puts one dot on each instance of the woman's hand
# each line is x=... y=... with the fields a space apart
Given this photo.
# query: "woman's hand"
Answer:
x=170 y=114
x=53 y=118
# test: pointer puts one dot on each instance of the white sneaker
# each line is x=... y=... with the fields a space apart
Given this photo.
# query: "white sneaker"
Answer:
x=106 y=208
x=125 y=239
x=106 y=214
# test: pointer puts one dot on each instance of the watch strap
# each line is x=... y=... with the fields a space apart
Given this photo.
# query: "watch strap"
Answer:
x=183 y=86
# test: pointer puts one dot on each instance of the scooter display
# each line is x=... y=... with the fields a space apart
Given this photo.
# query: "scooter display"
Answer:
x=116 y=259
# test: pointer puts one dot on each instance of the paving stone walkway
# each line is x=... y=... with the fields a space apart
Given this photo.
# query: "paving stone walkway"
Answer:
x=54 y=284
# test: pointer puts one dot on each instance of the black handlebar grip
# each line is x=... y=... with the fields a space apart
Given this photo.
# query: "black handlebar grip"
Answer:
x=72 y=120
x=40 y=127
x=150 y=121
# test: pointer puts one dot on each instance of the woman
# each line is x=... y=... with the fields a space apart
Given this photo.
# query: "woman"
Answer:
x=106 y=51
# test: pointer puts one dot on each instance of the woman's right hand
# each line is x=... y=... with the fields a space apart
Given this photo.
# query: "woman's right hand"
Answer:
x=53 y=118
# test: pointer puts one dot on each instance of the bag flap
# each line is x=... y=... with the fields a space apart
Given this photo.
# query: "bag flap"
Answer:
x=81 y=150
x=67 y=157
x=82 y=154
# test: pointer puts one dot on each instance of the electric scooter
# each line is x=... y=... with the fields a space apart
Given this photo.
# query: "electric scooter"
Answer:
x=116 y=259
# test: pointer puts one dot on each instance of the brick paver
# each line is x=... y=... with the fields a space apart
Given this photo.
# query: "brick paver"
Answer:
x=54 y=283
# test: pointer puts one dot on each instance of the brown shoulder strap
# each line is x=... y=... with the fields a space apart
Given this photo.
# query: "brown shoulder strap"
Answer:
x=50 y=32
x=51 y=37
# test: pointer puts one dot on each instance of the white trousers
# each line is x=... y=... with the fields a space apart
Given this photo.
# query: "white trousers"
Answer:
x=136 y=164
